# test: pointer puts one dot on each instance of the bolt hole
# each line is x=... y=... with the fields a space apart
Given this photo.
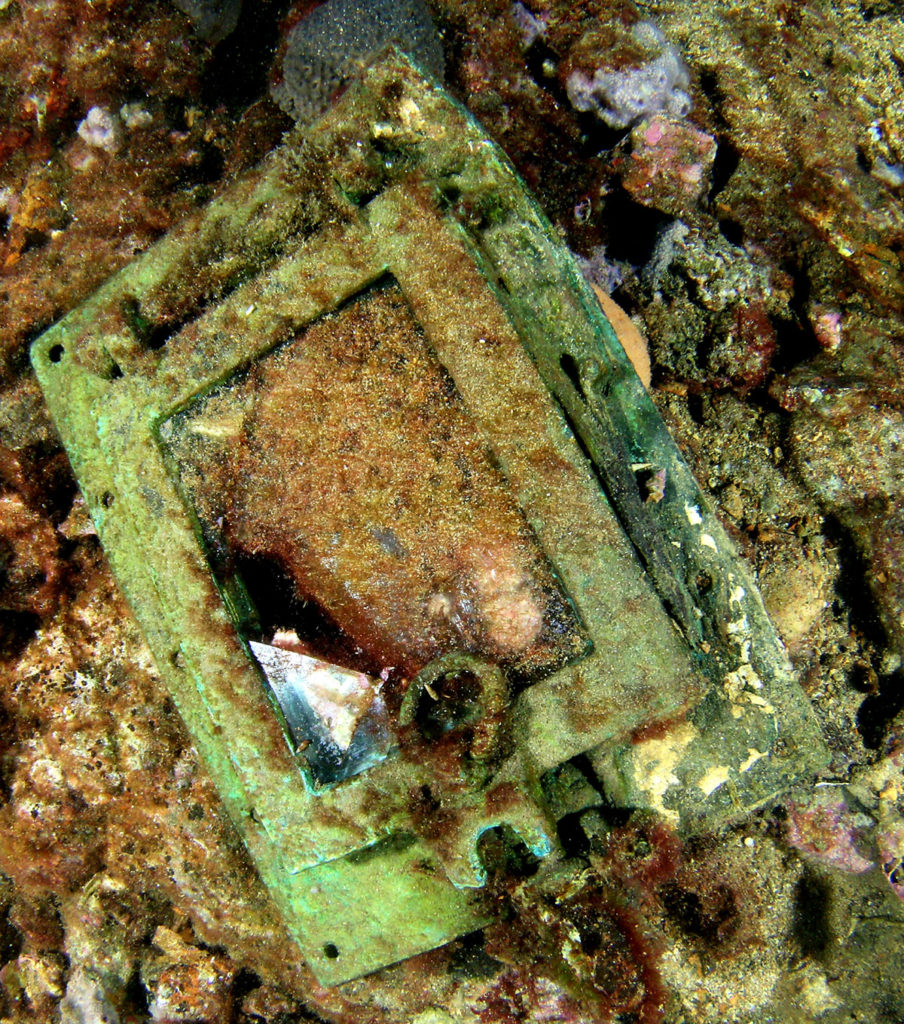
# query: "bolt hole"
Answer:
x=704 y=582
x=56 y=353
x=503 y=852
x=107 y=499
x=331 y=951
x=570 y=368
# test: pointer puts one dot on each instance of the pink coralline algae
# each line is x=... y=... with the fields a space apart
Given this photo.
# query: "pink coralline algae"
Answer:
x=825 y=827
x=827 y=327
x=890 y=839
x=669 y=165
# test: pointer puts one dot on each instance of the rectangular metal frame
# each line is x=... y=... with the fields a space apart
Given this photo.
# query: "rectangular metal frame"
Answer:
x=368 y=194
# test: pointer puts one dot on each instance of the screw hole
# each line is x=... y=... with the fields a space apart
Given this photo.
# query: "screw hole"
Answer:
x=56 y=353
x=331 y=950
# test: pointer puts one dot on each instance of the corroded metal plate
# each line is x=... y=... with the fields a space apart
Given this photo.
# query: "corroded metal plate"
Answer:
x=371 y=364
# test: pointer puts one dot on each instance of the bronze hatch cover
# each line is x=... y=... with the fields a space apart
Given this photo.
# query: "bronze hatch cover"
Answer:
x=366 y=458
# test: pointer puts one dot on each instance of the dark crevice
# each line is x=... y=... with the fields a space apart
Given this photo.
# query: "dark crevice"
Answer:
x=174 y=112
x=810 y=922
x=585 y=766
x=9 y=759
x=795 y=341
x=148 y=334
x=632 y=230
x=713 y=918
x=871 y=9
x=879 y=709
x=899 y=65
x=238 y=73
x=732 y=231
x=35 y=240
x=763 y=403
x=504 y=854
x=135 y=997
x=453 y=32
x=279 y=606
x=246 y=981
x=571 y=829
x=471 y=961
x=11 y=940
x=595 y=135
x=572 y=837
x=695 y=409
x=794 y=345
x=712 y=90
x=569 y=367
x=206 y=171
x=854 y=595
x=16 y=630
x=542 y=62
x=725 y=164
x=705 y=345
x=852 y=587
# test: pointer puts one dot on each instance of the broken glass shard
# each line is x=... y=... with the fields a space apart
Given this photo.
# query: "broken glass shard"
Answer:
x=336 y=717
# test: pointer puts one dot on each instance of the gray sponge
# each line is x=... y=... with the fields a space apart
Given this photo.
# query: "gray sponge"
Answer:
x=623 y=96
x=327 y=47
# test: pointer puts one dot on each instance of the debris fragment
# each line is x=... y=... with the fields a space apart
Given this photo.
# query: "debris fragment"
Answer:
x=101 y=129
x=632 y=341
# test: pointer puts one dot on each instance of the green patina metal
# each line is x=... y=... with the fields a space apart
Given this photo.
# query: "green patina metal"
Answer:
x=679 y=690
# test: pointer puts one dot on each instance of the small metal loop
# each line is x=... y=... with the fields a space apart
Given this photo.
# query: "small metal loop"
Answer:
x=492 y=701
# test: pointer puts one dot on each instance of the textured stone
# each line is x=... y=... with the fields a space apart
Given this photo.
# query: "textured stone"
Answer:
x=668 y=166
